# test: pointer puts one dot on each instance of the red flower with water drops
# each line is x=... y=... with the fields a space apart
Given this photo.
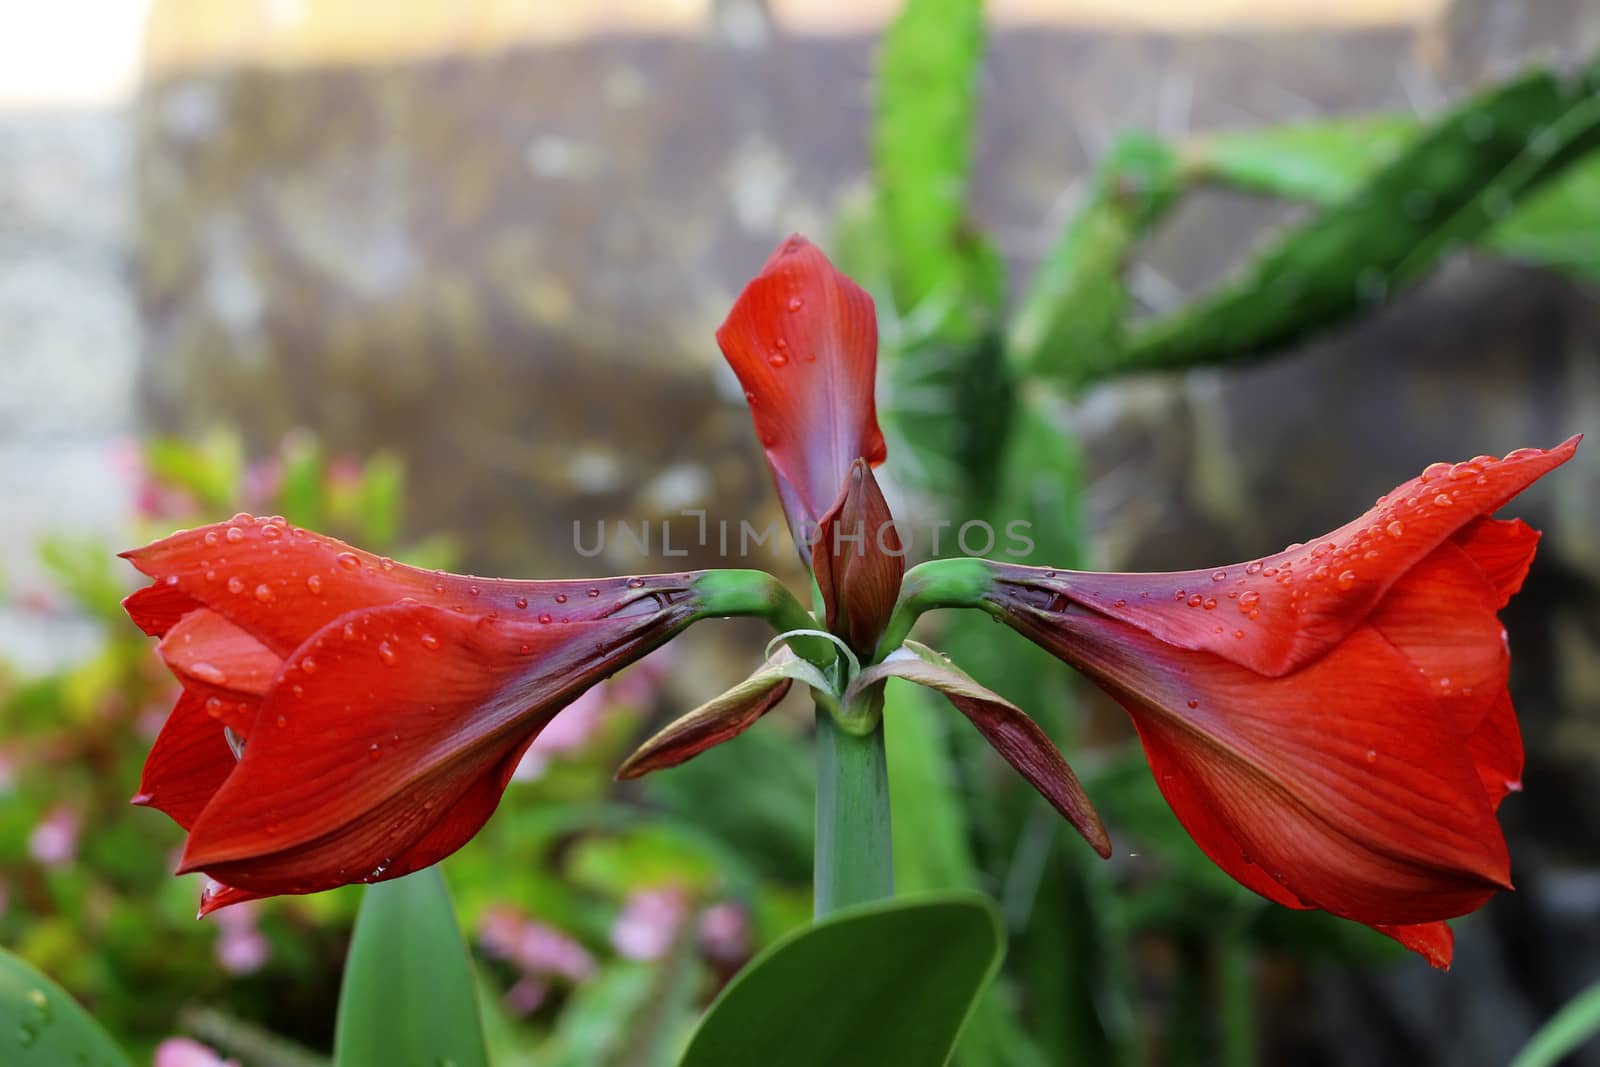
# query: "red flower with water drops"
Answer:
x=345 y=718
x=1331 y=724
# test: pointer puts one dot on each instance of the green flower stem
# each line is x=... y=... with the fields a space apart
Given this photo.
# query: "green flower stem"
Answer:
x=758 y=594
x=854 y=860
x=939 y=583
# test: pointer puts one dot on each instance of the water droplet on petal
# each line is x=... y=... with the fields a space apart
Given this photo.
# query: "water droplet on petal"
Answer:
x=594 y=592
x=1396 y=528
x=1194 y=601
x=264 y=593
x=429 y=641
x=271 y=532
x=308 y=665
x=1443 y=500
x=349 y=561
x=235 y=585
x=1219 y=576
x=1248 y=599
x=561 y=598
x=1321 y=573
x=386 y=563
x=795 y=303
x=387 y=653
x=545 y=620
x=1347 y=579
x=1193 y=703
x=778 y=359
x=1238 y=634
x=214 y=707
x=235 y=535
x=525 y=649
x=1372 y=755
x=211 y=537
x=1434 y=470
x=635 y=583
x=473 y=590
x=314 y=583
x=522 y=602
x=373 y=753
x=1254 y=568
x=1211 y=603
x=1523 y=453
x=1120 y=604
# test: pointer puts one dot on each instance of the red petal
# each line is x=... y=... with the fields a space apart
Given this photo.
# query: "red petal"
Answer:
x=379 y=726
x=1346 y=781
x=803 y=340
x=204 y=647
x=859 y=561
x=1441 y=615
x=1283 y=611
x=282 y=584
x=187 y=764
x=1496 y=747
x=155 y=609
x=1503 y=549
x=1434 y=942
x=214 y=895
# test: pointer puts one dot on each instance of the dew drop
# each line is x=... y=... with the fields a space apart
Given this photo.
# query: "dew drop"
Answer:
x=264 y=593
x=349 y=631
x=473 y=590
x=1194 y=601
x=1443 y=500
x=387 y=653
x=1210 y=604
x=1254 y=568
x=525 y=649
x=594 y=592
x=1372 y=755
x=1396 y=528
x=308 y=665
x=211 y=537
x=1321 y=573
x=1179 y=595
x=1219 y=576
x=235 y=535
x=386 y=563
x=373 y=753
x=244 y=518
x=1347 y=579
x=211 y=575
x=778 y=359
x=561 y=598
x=1120 y=604
x=545 y=620
x=283 y=720
x=235 y=585
x=214 y=707
x=349 y=561
x=635 y=583
x=271 y=532
x=750 y=398
x=1193 y=703
x=795 y=303
x=1434 y=470
x=1249 y=599
x=1269 y=572
x=1238 y=635
x=429 y=641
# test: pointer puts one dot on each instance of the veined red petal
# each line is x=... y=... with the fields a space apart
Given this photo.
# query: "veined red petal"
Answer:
x=1503 y=549
x=718 y=720
x=1278 y=613
x=1496 y=747
x=206 y=648
x=187 y=764
x=281 y=583
x=379 y=726
x=803 y=340
x=1346 y=782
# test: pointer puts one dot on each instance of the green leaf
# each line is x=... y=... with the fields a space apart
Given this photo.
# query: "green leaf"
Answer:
x=1453 y=184
x=888 y=982
x=1560 y=226
x=927 y=84
x=1566 y=1031
x=408 y=993
x=42 y=1026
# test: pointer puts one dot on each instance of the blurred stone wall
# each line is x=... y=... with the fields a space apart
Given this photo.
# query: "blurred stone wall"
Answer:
x=504 y=256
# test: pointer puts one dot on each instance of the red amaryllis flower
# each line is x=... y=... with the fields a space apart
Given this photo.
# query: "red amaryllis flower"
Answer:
x=347 y=719
x=1331 y=723
x=803 y=340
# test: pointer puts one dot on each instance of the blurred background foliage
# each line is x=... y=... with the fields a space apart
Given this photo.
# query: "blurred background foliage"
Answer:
x=487 y=357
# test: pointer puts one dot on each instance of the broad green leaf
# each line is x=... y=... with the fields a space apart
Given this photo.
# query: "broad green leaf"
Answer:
x=1560 y=225
x=927 y=84
x=408 y=994
x=885 y=983
x=1452 y=185
x=1569 y=1029
x=1069 y=323
x=42 y=1026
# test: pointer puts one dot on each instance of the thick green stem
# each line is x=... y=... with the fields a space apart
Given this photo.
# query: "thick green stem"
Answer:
x=756 y=593
x=854 y=852
x=939 y=583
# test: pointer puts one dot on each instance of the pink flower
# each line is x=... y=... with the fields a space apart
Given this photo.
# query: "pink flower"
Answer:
x=182 y=1052
x=649 y=921
x=54 y=841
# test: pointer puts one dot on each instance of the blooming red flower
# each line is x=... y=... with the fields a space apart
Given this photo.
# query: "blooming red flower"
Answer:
x=1331 y=723
x=345 y=718
x=803 y=340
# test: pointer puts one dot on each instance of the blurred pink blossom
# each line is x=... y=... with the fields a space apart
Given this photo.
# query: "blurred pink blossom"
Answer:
x=536 y=949
x=725 y=932
x=241 y=947
x=54 y=841
x=649 y=921
x=581 y=720
x=526 y=995
x=182 y=1052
